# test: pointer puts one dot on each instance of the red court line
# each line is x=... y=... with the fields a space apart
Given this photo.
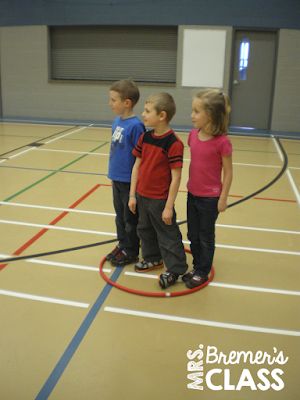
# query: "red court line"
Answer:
x=264 y=198
x=267 y=198
x=238 y=196
x=25 y=246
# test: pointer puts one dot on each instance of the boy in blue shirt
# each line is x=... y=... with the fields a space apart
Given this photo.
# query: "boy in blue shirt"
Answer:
x=126 y=130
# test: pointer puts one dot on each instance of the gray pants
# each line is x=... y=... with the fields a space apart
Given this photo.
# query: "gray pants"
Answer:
x=126 y=222
x=158 y=240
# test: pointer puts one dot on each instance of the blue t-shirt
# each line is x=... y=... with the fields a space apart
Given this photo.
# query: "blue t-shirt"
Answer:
x=125 y=134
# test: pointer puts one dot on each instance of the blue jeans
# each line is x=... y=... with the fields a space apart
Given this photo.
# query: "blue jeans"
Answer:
x=202 y=213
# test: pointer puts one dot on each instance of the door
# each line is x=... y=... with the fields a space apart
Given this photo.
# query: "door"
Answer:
x=252 y=78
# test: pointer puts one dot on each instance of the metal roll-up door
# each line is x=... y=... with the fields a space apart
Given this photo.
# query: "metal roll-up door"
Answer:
x=144 y=54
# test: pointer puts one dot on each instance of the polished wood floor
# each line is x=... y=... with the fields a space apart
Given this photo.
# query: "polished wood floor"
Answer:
x=67 y=335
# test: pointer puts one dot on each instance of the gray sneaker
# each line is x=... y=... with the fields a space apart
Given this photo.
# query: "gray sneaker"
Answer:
x=145 y=266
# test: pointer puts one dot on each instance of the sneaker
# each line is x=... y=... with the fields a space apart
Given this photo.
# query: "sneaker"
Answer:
x=195 y=281
x=145 y=266
x=122 y=258
x=186 y=277
x=167 y=279
x=113 y=253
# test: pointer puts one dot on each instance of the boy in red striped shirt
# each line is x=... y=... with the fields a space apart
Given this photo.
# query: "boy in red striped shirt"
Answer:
x=154 y=186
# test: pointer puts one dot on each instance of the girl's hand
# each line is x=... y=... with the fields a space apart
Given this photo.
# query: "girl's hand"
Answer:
x=222 y=205
x=167 y=216
x=132 y=204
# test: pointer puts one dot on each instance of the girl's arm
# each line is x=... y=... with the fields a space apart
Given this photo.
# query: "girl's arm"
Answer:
x=173 y=190
x=227 y=179
x=134 y=178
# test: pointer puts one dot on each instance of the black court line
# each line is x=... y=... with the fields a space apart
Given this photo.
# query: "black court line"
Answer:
x=50 y=170
x=277 y=177
x=21 y=136
x=36 y=144
x=83 y=140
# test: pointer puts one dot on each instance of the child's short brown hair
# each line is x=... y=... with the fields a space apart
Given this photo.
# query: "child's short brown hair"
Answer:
x=127 y=89
x=163 y=102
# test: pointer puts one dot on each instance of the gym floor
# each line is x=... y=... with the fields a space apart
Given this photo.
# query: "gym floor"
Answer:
x=67 y=334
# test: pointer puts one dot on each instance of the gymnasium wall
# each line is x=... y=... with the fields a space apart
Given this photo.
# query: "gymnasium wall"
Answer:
x=286 y=105
x=27 y=92
x=252 y=13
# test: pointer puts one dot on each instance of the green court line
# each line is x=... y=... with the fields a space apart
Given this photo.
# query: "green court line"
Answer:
x=52 y=173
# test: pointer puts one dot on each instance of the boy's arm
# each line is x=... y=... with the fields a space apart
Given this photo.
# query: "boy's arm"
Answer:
x=227 y=179
x=134 y=178
x=173 y=190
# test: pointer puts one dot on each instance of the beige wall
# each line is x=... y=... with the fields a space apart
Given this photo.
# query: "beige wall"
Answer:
x=27 y=91
x=286 y=106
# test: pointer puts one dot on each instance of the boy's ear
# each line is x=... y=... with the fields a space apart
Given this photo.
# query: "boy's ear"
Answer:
x=128 y=103
x=162 y=115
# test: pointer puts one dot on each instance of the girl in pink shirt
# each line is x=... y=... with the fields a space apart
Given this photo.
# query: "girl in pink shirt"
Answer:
x=210 y=178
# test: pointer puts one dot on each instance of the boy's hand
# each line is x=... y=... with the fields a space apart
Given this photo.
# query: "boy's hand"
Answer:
x=222 y=205
x=167 y=216
x=132 y=204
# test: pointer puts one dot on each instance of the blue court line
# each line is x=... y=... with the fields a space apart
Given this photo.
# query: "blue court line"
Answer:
x=75 y=342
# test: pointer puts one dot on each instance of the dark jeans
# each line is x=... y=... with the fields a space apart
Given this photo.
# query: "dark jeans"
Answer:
x=158 y=240
x=126 y=221
x=202 y=213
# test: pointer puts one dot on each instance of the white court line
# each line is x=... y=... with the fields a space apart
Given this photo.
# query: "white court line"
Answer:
x=141 y=275
x=67 y=265
x=75 y=210
x=72 y=210
x=257 y=165
x=59 y=228
x=194 y=321
x=67 y=134
x=250 y=228
x=258 y=249
x=49 y=141
x=294 y=186
x=43 y=299
x=228 y=285
x=255 y=289
x=74 y=152
x=241 y=136
x=60 y=264
x=185 y=159
x=21 y=152
x=288 y=173
x=248 y=165
x=254 y=165
x=54 y=227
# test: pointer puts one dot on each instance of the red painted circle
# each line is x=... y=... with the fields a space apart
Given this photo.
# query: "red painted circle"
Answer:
x=153 y=294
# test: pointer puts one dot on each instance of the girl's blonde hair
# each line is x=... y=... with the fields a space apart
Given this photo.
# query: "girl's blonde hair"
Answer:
x=217 y=105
